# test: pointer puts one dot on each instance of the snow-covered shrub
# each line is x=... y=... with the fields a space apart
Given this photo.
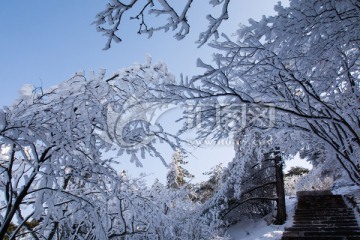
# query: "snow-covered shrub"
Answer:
x=247 y=188
x=290 y=184
x=291 y=179
x=324 y=172
x=319 y=178
x=206 y=189
x=171 y=214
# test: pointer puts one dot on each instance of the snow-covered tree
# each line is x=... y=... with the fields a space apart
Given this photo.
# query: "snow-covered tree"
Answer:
x=52 y=163
x=297 y=171
x=177 y=175
x=295 y=75
x=206 y=189
x=292 y=177
x=250 y=179
x=303 y=63
x=180 y=217
x=289 y=80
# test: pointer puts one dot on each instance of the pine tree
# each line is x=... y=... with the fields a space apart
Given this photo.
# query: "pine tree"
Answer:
x=297 y=171
x=206 y=189
x=178 y=176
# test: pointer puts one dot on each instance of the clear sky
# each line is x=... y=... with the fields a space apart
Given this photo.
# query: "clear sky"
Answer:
x=46 y=42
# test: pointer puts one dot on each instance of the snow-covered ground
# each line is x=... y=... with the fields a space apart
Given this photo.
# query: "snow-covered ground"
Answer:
x=261 y=229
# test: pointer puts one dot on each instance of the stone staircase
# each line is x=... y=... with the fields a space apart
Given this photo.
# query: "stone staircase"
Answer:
x=321 y=215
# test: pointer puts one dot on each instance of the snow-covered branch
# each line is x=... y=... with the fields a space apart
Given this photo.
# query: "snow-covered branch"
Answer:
x=173 y=14
x=52 y=145
x=293 y=73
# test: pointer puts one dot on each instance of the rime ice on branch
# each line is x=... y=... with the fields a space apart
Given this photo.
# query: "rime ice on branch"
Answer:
x=110 y=20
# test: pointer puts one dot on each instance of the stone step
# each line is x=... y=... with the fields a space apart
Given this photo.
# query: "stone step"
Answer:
x=322 y=202
x=339 y=216
x=354 y=224
x=320 y=215
x=327 y=222
x=328 y=198
x=320 y=199
x=326 y=218
x=339 y=224
x=321 y=238
x=319 y=206
x=325 y=213
x=316 y=207
x=332 y=211
x=312 y=200
x=315 y=233
x=323 y=229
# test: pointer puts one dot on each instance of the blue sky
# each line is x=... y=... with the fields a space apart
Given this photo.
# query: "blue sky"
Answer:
x=46 y=42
